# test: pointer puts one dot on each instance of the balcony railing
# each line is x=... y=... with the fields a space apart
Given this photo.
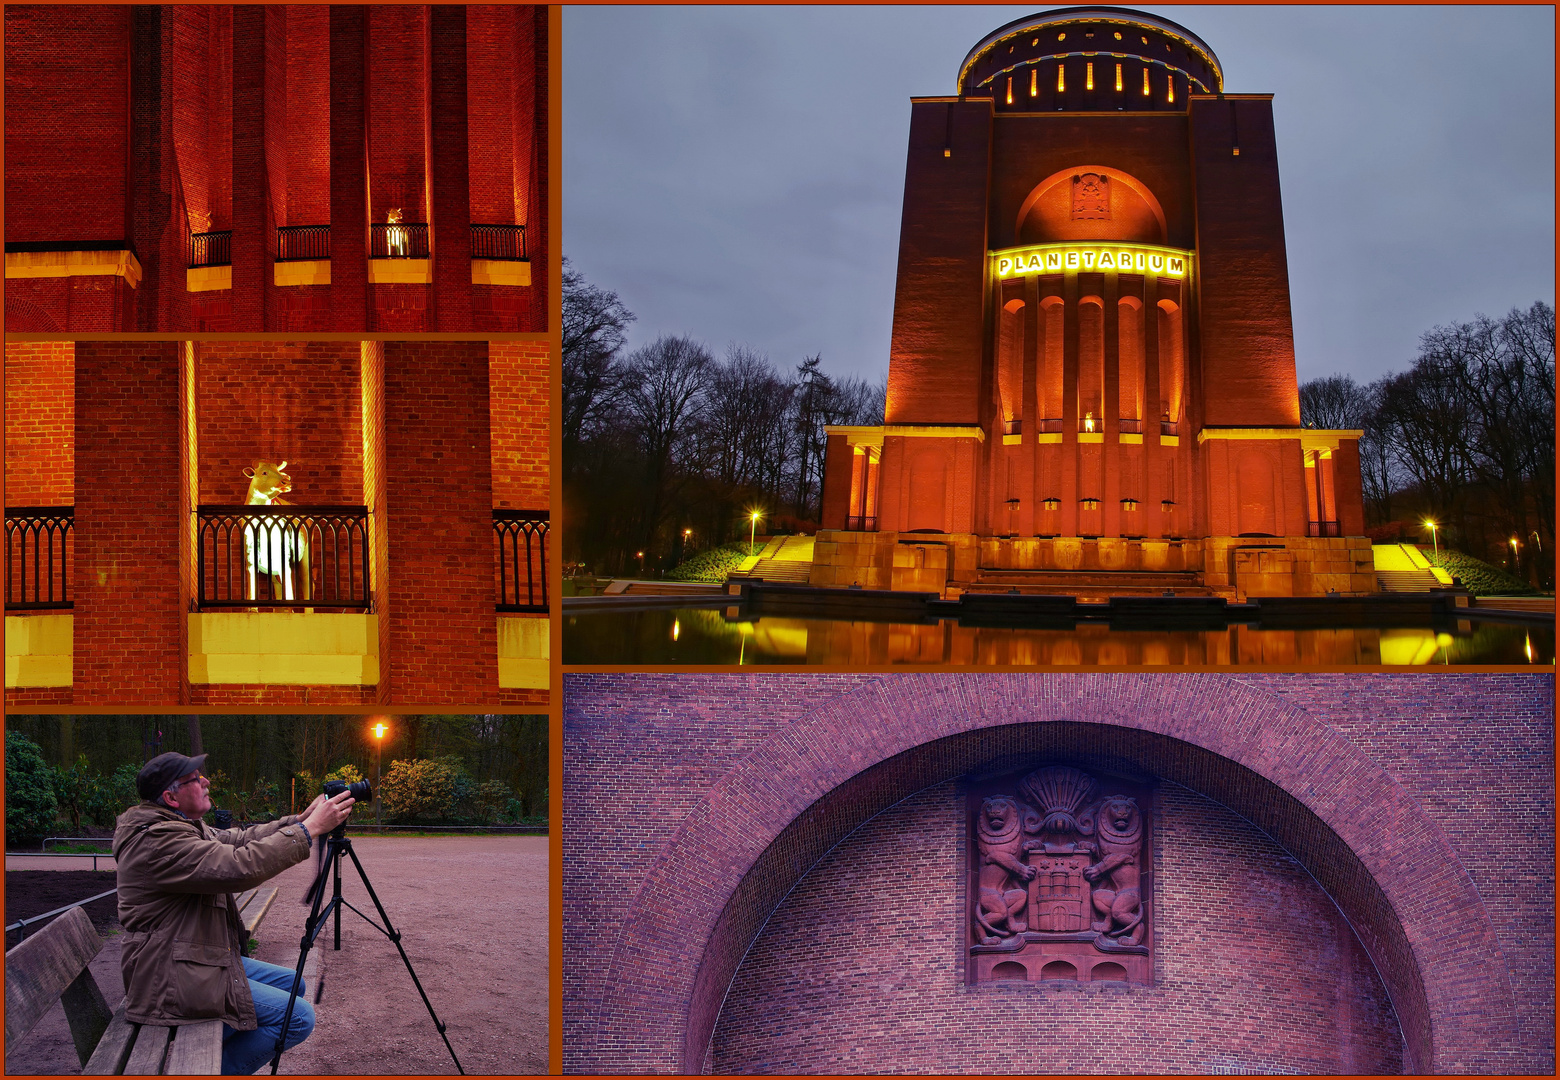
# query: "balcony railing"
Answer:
x=498 y=242
x=283 y=556
x=39 y=550
x=520 y=550
x=1130 y=426
x=211 y=249
x=1012 y=427
x=1169 y=427
x=296 y=243
x=861 y=523
x=1322 y=528
x=1051 y=426
x=401 y=240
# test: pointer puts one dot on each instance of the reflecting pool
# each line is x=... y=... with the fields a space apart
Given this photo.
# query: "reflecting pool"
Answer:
x=732 y=635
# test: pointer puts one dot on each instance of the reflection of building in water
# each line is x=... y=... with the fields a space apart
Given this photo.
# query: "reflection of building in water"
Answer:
x=1092 y=369
x=187 y=167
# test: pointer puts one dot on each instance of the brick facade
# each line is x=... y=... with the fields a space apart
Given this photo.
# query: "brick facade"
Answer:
x=40 y=423
x=138 y=128
x=1414 y=810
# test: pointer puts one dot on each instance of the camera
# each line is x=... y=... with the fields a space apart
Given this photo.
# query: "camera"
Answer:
x=361 y=791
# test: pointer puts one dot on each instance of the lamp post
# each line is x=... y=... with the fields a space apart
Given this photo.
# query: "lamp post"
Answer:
x=1515 y=565
x=1434 y=538
x=379 y=740
x=752 y=530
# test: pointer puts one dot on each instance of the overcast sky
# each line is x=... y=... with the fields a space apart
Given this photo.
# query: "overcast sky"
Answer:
x=736 y=173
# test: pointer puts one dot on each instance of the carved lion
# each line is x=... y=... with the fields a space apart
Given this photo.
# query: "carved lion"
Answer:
x=1117 y=896
x=1000 y=840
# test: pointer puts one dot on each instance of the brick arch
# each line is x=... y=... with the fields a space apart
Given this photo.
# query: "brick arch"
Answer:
x=25 y=315
x=1390 y=868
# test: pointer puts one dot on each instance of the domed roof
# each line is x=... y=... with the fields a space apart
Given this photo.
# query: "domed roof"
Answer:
x=1145 y=41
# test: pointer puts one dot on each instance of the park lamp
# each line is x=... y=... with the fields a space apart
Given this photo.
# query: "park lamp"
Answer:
x=1513 y=543
x=379 y=741
x=753 y=516
x=1434 y=538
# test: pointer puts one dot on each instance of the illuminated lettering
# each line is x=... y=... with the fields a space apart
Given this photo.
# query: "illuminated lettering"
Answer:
x=1088 y=259
x=1053 y=260
x=1061 y=258
x=1072 y=260
x=1106 y=260
x=1004 y=265
x=1033 y=263
x=1176 y=265
x=1139 y=263
x=1156 y=263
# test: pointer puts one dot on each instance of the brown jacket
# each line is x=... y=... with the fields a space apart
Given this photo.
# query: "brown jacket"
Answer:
x=184 y=943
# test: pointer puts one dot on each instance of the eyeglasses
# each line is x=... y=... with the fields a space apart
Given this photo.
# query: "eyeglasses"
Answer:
x=200 y=778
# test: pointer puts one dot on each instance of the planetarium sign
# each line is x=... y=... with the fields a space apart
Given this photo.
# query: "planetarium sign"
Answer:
x=1065 y=258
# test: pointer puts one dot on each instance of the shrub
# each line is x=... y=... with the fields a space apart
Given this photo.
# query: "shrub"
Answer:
x=419 y=788
x=1478 y=576
x=76 y=790
x=30 y=806
x=712 y=565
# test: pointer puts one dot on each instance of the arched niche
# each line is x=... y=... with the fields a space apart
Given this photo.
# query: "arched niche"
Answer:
x=1090 y=202
x=1411 y=904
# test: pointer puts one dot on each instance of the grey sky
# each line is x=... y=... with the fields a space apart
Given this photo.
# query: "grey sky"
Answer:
x=735 y=173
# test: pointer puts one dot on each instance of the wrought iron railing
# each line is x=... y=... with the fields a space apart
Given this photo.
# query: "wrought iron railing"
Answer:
x=1322 y=528
x=520 y=554
x=39 y=551
x=861 y=523
x=1169 y=427
x=1130 y=426
x=295 y=243
x=211 y=249
x=1012 y=427
x=1049 y=426
x=283 y=556
x=498 y=242
x=400 y=240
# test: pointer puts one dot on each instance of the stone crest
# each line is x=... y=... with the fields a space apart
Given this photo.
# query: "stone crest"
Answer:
x=1091 y=197
x=1060 y=878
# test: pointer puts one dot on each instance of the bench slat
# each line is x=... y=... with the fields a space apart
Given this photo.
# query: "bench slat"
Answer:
x=253 y=920
x=243 y=899
x=196 y=1050
x=39 y=969
x=112 y=1050
x=146 y=1056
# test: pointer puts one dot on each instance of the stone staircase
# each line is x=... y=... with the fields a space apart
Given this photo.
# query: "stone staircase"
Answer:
x=1090 y=585
x=1407 y=581
x=785 y=559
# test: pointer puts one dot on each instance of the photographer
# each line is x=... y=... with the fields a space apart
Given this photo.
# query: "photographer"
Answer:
x=185 y=949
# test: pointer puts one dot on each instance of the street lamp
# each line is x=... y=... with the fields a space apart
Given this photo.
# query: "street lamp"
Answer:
x=379 y=740
x=1434 y=539
x=752 y=530
x=1513 y=543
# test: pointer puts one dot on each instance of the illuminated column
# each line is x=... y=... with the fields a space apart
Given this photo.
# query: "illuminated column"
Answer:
x=1069 y=462
x=257 y=30
x=1156 y=522
x=1110 y=409
x=1034 y=415
x=348 y=169
x=449 y=170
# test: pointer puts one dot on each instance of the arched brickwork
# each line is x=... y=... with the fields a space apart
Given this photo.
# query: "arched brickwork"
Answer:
x=1390 y=868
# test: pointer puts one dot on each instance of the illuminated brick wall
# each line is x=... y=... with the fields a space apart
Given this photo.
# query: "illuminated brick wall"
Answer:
x=40 y=421
x=443 y=633
x=521 y=377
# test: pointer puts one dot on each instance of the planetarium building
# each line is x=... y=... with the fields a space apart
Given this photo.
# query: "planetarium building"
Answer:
x=1092 y=377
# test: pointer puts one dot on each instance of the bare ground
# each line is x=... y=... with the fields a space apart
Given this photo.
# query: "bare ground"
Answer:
x=474 y=919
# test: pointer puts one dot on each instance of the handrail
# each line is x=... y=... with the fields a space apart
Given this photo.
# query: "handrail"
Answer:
x=498 y=242
x=211 y=249
x=520 y=540
x=41 y=538
x=20 y=925
x=398 y=240
x=295 y=243
x=283 y=556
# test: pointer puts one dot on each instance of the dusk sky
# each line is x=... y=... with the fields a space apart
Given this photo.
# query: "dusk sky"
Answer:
x=736 y=173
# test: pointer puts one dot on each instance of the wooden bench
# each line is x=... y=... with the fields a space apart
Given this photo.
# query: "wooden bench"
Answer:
x=52 y=966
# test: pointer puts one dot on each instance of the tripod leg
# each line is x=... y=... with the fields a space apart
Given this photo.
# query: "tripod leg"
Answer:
x=338 y=900
x=331 y=856
x=395 y=936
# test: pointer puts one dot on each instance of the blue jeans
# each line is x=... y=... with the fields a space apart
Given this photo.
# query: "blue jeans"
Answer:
x=245 y=1051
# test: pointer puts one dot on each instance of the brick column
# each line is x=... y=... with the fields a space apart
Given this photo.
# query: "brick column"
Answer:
x=449 y=171
x=128 y=615
x=252 y=220
x=443 y=647
x=159 y=225
x=348 y=169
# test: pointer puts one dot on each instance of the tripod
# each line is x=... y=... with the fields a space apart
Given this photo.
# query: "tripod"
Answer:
x=338 y=844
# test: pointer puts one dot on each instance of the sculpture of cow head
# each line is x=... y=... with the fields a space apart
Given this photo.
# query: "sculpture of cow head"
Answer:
x=266 y=482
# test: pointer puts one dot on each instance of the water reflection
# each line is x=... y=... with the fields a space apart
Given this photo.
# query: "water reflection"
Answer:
x=728 y=636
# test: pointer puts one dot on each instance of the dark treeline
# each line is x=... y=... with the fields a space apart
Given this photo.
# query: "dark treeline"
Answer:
x=274 y=749
x=667 y=449
x=1465 y=437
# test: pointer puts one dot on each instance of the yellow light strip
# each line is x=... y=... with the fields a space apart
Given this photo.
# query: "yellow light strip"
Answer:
x=1073 y=258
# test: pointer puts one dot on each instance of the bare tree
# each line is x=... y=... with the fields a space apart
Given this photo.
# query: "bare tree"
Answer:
x=595 y=327
x=1336 y=403
x=662 y=385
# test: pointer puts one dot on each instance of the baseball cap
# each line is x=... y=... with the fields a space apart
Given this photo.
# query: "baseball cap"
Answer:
x=157 y=775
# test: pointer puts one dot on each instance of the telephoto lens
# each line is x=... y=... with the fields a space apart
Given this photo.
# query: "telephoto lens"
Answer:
x=361 y=791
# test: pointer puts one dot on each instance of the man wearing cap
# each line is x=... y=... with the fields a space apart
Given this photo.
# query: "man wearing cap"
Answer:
x=185 y=950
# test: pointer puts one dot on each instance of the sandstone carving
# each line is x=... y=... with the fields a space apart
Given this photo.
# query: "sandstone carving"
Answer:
x=1060 y=868
x=1000 y=839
